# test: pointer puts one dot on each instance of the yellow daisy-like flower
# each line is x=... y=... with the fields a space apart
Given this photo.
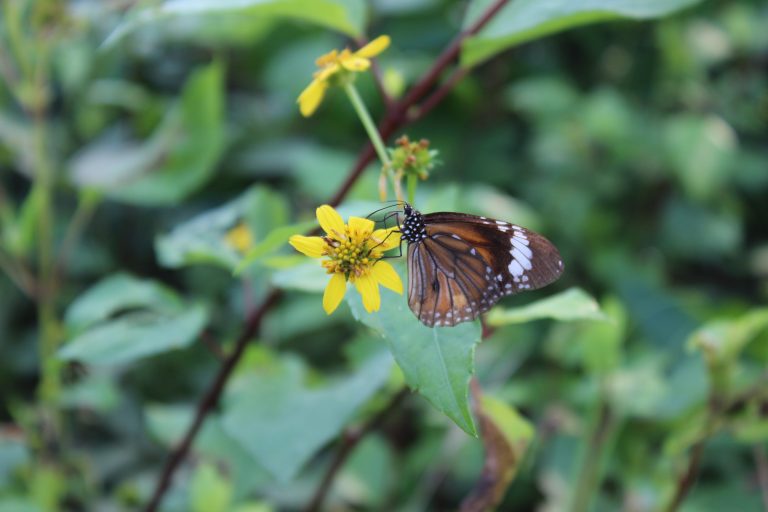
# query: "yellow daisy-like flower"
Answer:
x=354 y=254
x=335 y=63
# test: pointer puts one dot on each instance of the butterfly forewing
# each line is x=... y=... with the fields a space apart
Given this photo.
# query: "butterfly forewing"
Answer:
x=465 y=264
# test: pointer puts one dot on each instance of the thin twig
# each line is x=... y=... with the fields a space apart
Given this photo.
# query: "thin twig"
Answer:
x=761 y=461
x=589 y=472
x=349 y=440
x=715 y=411
x=83 y=215
x=19 y=275
x=212 y=345
x=394 y=119
x=210 y=399
x=688 y=477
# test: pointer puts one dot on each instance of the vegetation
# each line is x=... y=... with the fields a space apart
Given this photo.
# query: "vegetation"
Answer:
x=164 y=347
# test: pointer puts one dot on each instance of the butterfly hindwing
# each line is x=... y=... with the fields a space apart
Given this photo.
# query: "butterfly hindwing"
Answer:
x=448 y=282
x=466 y=263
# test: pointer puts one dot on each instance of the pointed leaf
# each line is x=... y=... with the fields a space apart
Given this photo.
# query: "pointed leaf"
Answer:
x=437 y=362
x=520 y=21
x=282 y=423
x=572 y=304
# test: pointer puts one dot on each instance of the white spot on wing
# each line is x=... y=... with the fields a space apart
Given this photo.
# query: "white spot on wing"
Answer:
x=522 y=247
x=525 y=262
x=515 y=269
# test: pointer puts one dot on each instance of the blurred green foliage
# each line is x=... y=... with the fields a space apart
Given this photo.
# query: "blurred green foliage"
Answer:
x=134 y=136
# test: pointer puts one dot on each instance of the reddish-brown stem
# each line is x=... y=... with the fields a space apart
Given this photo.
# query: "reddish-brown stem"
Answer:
x=210 y=399
x=761 y=461
x=349 y=440
x=394 y=119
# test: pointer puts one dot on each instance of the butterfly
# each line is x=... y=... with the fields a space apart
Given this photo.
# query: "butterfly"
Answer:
x=460 y=265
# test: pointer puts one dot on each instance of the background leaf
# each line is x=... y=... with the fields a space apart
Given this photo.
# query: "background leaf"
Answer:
x=267 y=413
x=572 y=304
x=524 y=20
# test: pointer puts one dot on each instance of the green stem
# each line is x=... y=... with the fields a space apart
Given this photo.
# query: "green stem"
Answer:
x=413 y=182
x=370 y=127
x=593 y=458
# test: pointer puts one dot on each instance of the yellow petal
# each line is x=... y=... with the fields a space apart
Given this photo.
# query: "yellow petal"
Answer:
x=386 y=238
x=327 y=58
x=369 y=290
x=363 y=227
x=331 y=221
x=356 y=64
x=312 y=246
x=387 y=277
x=373 y=48
x=326 y=72
x=310 y=98
x=334 y=292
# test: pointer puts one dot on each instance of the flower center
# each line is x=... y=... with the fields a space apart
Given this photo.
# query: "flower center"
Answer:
x=351 y=254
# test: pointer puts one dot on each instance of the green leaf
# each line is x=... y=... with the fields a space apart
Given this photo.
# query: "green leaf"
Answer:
x=437 y=362
x=281 y=422
x=572 y=304
x=345 y=16
x=136 y=335
x=180 y=156
x=702 y=151
x=520 y=21
x=203 y=239
x=723 y=341
x=168 y=424
x=21 y=236
x=117 y=293
x=275 y=239
x=210 y=491
x=96 y=392
x=309 y=276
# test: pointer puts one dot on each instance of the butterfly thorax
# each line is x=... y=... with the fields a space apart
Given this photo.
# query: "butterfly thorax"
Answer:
x=413 y=228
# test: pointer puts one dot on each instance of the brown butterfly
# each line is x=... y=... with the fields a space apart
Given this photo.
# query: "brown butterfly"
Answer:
x=460 y=265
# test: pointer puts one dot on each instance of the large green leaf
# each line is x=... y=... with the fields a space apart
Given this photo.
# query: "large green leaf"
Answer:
x=115 y=293
x=136 y=335
x=437 y=362
x=272 y=241
x=203 y=239
x=572 y=304
x=525 y=20
x=179 y=157
x=123 y=318
x=345 y=16
x=281 y=422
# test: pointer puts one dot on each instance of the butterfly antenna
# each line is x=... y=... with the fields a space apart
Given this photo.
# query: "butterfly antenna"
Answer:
x=381 y=209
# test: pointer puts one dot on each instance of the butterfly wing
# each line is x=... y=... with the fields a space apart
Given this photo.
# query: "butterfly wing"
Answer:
x=467 y=263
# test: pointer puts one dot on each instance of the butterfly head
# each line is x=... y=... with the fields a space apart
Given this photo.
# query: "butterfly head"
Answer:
x=413 y=228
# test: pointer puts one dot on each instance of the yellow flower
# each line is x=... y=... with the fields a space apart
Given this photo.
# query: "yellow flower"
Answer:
x=335 y=63
x=354 y=254
x=239 y=238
